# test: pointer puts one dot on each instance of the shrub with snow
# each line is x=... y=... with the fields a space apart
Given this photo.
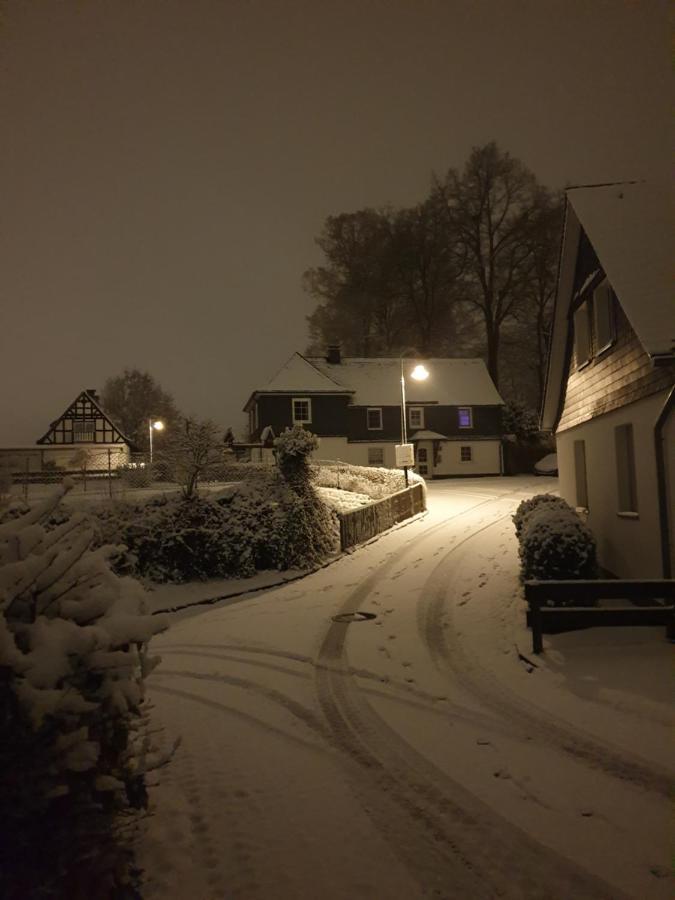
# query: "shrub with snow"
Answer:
x=264 y=524
x=556 y=544
x=294 y=447
x=527 y=507
x=75 y=747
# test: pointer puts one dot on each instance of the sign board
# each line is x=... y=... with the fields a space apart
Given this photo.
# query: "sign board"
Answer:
x=405 y=455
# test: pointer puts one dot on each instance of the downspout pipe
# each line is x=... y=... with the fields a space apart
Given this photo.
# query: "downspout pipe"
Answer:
x=662 y=483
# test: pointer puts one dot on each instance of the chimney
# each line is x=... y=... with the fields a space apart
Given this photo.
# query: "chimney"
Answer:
x=92 y=393
x=334 y=357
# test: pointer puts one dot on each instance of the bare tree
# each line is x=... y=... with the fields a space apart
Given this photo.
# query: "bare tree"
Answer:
x=193 y=451
x=492 y=206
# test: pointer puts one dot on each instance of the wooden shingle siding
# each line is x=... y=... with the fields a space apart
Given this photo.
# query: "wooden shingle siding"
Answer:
x=622 y=374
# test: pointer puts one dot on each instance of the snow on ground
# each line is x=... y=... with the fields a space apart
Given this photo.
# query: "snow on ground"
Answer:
x=343 y=501
x=413 y=754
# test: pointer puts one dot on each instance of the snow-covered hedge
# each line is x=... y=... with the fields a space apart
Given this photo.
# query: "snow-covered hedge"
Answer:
x=264 y=524
x=376 y=483
x=554 y=542
x=527 y=507
x=75 y=746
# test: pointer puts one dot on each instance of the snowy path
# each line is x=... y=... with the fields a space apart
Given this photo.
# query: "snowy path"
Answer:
x=414 y=754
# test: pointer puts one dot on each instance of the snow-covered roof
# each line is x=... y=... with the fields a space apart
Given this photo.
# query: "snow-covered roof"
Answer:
x=298 y=374
x=631 y=228
x=377 y=382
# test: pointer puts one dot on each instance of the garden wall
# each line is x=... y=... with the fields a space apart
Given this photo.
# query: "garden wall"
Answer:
x=362 y=524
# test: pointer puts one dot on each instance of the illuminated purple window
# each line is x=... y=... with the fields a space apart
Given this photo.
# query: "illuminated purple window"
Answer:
x=465 y=417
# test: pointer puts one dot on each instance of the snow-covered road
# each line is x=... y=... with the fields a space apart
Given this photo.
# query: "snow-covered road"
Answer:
x=416 y=753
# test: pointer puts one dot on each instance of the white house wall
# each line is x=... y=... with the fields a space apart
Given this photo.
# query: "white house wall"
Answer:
x=33 y=459
x=485 y=458
x=627 y=547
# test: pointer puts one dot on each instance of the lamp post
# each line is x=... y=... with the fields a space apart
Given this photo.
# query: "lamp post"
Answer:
x=154 y=425
x=419 y=373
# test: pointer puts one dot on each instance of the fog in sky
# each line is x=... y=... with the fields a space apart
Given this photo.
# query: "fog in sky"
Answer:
x=166 y=166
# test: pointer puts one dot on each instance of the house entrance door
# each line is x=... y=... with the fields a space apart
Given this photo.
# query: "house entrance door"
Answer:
x=425 y=459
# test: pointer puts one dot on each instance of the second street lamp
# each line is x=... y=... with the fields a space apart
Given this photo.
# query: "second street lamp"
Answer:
x=405 y=453
x=154 y=425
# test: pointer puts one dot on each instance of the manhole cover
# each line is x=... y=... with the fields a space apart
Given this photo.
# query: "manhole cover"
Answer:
x=357 y=616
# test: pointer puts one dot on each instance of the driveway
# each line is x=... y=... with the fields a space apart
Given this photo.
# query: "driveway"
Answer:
x=418 y=751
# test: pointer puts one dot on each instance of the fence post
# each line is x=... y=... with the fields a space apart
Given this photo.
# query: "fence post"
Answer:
x=109 y=474
x=537 y=625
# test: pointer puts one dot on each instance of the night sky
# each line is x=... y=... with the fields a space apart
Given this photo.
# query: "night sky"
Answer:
x=165 y=167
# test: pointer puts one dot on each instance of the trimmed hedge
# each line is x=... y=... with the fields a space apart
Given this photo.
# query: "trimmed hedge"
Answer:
x=554 y=542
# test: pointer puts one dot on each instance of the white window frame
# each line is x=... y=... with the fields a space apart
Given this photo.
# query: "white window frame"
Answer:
x=296 y=419
x=378 y=450
x=415 y=409
x=626 y=471
x=460 y=410
x=461 y=453
x=373 y=409
x=582 y=318
x=79 y=430
x=604 y=291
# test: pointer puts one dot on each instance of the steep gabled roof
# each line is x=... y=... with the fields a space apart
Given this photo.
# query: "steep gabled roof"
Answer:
x=298 y=374
x=85 y=405
x=630 y=227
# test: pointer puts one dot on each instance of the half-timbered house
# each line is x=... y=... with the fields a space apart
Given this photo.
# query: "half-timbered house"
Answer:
x=84 y=434
x=453 y=419
x=609 y=395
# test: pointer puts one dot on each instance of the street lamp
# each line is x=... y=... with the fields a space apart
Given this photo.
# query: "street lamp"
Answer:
x=405 y=453
x=154 y=425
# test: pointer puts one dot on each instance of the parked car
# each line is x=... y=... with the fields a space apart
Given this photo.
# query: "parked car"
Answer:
x=548 y=465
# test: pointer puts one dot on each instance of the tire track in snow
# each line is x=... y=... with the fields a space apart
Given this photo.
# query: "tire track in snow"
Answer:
x=445 y=834
x=447 y=652
x=408 y=694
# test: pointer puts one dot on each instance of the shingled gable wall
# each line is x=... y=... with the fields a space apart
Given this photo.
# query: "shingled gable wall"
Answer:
x=621 y=374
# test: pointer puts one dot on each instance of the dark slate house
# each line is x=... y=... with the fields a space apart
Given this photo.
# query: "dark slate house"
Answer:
x=610 y=394
x=354 y=406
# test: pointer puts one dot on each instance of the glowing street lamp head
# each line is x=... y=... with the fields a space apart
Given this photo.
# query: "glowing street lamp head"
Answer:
x=158 y=426
x=419 y=373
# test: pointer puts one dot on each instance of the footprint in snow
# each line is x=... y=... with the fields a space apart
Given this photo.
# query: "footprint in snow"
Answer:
x=392 y=637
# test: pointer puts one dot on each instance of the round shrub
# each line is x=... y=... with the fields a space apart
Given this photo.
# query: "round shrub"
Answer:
x=527 y=507
x=556 y=544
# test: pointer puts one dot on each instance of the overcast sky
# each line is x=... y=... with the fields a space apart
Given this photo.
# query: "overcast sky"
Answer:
x=166 y=166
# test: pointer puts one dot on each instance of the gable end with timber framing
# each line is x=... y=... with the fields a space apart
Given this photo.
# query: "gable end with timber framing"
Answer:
x=84 y=422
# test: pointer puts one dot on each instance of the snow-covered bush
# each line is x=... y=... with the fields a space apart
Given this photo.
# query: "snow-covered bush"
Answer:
x=264 y=524
x=294 y=447
x=527 y=507
x=75 y=746
x=556 y=544
x=376 y=483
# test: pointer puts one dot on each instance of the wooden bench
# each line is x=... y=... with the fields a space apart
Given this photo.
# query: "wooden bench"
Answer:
x=539 y=594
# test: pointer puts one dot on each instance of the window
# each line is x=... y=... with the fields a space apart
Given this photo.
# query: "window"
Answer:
x=374 y=419
x=422 y=455
x=375 y=456
x=423 y=469
x=302 y=411
x=416 y=417
x=603 y=317
x=465 y=417
x=582 y=336
x=465 y=454
x=625 y=469
x=84 y=430
x=580 y=474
